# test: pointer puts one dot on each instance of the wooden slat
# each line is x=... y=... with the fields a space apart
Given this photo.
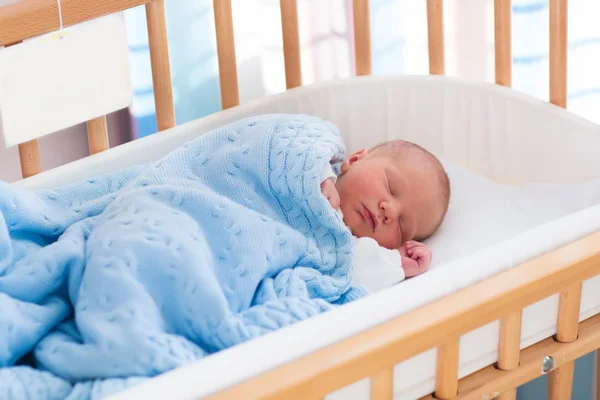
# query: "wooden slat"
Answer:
x=435 y=36
x=509 y=348
x=226 y=53
x=291 y=43
x=28 y=18
x=362 y=36
x=560 y=381
x=510 y=341
x=446 y=377
x=386 y=344
x=161 y=69
x=97 y=131
x=488 y=382
x=568 y=313
x=30 y=158
x=558 y=52
x=502 y=41
x=382 y=385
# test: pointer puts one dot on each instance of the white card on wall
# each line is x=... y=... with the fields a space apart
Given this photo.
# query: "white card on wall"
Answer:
x=50 y=82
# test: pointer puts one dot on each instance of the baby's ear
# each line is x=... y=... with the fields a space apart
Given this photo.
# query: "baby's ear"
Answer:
x=356 y=156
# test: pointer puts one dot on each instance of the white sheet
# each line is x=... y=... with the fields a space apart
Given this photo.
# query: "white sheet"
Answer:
x=483 y=212
x=491 y=130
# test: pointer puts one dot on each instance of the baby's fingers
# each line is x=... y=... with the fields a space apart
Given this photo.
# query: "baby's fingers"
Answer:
x=416 y=253
x=422 y=256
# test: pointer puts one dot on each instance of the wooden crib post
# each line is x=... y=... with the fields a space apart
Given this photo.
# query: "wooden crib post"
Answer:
x=226 y=53
x=509 y=347
x=446 y=377
x=558 y=52
x=291 y=43
x=382 y=385
x=509 y=344
x=502 y=42
x=435 y=36
x=97 y=130
x=560 y=381
x=362 y=36
x=30 y=158
x=159 y=59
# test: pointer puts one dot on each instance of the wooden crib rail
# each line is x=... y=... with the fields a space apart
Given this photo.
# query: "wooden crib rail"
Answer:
x=489 y=382
x=28 y=18
x=380 y=348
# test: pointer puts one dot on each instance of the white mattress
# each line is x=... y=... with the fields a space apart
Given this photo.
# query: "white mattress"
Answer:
x=492 y=131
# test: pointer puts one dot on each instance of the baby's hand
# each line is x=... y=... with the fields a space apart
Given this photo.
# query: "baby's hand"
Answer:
x=330 y=192
x=416 y=258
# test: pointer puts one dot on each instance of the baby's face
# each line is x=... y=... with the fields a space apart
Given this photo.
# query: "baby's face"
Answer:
x=391 y=201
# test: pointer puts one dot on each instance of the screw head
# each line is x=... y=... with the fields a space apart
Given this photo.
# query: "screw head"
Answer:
x=547 y=364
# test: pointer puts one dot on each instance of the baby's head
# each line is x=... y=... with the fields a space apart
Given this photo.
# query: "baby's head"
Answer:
x=395 y=192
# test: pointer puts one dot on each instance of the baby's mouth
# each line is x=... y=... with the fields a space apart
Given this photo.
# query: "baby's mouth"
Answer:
x=369 y=217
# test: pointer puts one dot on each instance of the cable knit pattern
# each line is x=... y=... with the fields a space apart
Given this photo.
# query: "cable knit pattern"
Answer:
x=143 y=270
x=25 y=383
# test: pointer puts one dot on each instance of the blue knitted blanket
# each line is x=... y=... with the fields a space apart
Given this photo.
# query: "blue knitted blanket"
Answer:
x=109 y=281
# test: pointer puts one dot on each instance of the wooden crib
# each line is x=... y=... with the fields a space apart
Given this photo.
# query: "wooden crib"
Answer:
x=373 y=352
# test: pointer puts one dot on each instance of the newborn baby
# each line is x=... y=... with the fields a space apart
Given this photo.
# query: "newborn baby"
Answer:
x=391 y=198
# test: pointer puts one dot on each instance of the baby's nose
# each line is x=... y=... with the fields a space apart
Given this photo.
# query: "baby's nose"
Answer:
x=388 y=212
x=385 y=208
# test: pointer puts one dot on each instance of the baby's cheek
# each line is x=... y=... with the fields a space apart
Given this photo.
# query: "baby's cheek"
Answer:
x=388 y=240
x=351 y=222
x=347 y=217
